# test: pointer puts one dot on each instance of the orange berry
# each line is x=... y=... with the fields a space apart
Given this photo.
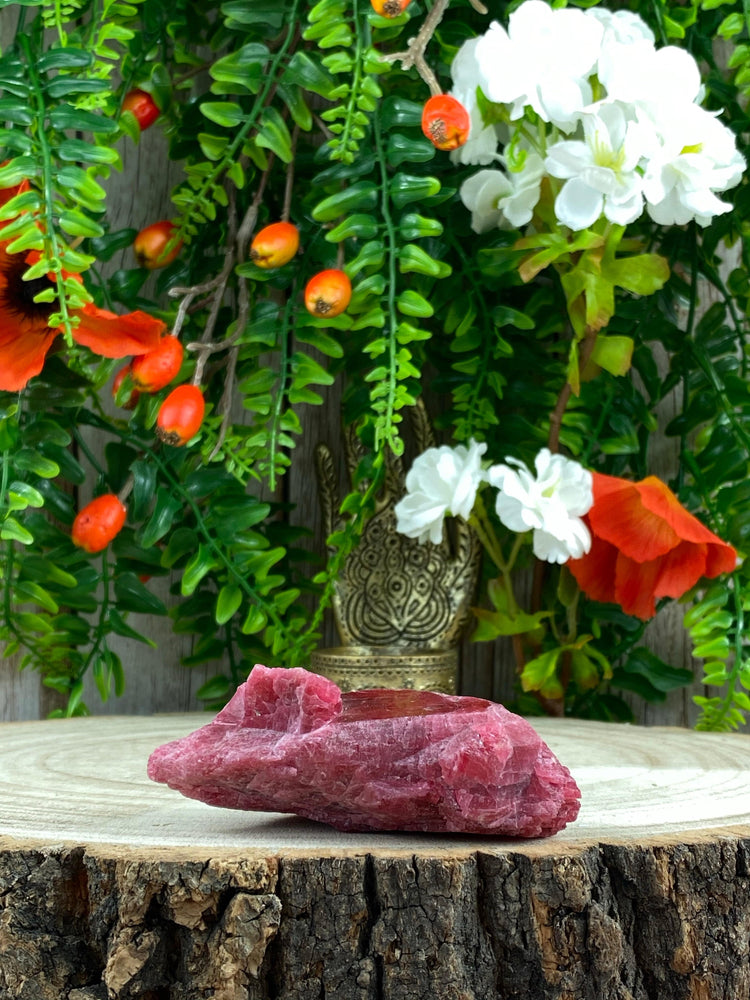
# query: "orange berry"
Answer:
x=275 y=245
x=180 y=415
x=152 y=371
x=143 y=106
x=152 y=242
x=98 y=522
x=130 y=402
x=445 y=122
x=328 y=293
x=389 y=8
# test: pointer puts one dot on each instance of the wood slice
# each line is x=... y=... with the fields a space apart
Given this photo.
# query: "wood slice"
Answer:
x=114 y=887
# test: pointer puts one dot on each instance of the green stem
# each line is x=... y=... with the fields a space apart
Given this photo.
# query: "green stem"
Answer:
x=387 y=428
x=51 y=246
x=478 y=381
x=593 y=438
x=275 y=426
x=352 y=103
x=336 y=561
x=233 y=150
x=101 y=629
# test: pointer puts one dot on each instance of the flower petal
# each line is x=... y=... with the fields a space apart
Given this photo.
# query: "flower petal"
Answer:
x=620 y=517
x=595 y=572
x=680 y=570
x=634 y=586
x=23 y=348
x=657 y=497
x=114 y=336
x=578 y=205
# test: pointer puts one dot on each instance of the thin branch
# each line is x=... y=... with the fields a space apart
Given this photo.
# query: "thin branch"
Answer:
x=555 y=419
x=289 y=186
x=414 y=55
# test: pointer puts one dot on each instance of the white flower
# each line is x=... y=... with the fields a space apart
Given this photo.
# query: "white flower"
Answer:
x=600 y=171
x=496 y=198
x=641 y=74
x=621 y=27
x=694 y=156
x=551 y=505
x=481 y=146
x=543 y=60
x=441 y=481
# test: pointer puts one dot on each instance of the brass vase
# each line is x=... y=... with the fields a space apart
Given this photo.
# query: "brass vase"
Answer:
x=400 y=606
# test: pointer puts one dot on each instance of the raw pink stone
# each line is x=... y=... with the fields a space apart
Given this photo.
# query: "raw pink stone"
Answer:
x=290 y=742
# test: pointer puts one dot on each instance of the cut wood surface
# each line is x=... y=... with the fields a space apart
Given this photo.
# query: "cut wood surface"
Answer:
x=114 y=887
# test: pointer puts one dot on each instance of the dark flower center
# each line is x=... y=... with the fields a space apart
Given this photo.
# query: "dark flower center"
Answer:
x=18 y=296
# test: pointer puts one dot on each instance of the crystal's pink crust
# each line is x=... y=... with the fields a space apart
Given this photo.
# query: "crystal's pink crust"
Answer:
x=289 y=741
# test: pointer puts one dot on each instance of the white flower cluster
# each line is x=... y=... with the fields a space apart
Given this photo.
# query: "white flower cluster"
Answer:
x=445 y=481
x=614 y=118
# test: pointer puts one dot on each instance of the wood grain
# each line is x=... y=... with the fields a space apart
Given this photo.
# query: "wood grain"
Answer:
x=84 y=781
x=114 y=888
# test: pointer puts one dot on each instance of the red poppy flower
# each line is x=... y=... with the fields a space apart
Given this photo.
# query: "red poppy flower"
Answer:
x=645 y=545
x=25 y=335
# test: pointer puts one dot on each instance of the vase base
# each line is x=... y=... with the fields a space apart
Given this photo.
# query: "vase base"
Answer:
x=355 y=668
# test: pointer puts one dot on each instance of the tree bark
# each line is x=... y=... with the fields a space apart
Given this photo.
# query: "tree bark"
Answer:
x=113 y=887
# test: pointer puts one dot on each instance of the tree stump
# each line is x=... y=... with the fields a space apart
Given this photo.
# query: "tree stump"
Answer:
x=114 y=887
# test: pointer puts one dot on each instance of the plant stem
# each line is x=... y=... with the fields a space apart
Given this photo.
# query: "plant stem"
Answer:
x=388 y=427
x=52 y=248
x=555 y=421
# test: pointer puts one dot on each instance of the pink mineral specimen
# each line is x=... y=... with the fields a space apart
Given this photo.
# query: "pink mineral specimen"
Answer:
x=289 y=741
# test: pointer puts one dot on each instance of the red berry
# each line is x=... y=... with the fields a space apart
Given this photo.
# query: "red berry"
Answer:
x=445 y=122
x=98 y=522
x=152 y=242
x=328 y=293
x=152 y=371
x=131 y=399
x=180 y=415
x=275 y=245
x=389 y=8
x=143 y=106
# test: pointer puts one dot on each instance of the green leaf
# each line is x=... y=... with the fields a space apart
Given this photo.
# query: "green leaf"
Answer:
x=120 y=627
x=406 y=188
x=411 y=303
x=27 y=590
x=224 y=113
x=613 y=353
x=63 y=58
x=540 y=674
x=182 y=542
x=22 y=495
x=361 y=196
x=29 y=460
x=166 y=509
x=227 y=603
x=215 y=689
x=202 y=562
x=256 y=621
x=492 y=624
x=65 y=116
x=61 y=86
x=132 y=595
x=144 y=488
x=644 y=274
x=274 y=135
x=307 y=73
x=413 y=258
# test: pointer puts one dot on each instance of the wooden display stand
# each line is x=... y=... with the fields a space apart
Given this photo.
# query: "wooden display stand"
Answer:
x=114 y=887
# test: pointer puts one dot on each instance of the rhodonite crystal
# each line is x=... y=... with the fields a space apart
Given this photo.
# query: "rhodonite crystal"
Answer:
x=289 y=741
